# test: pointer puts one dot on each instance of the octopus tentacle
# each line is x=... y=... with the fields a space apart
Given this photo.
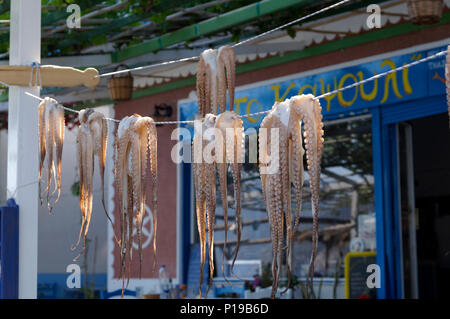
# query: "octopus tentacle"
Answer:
x=153 y=148
x=42 y=143
x=59 y=141
x=226 y=59
x=286 y=116
x=80 y=152
x=216 y=74
x=210 y=209
x=279 y=184
x=199 y=180
x=49 y=147
x=136 y=190
x=88 y=178
x=136 y=146
x=207 y=82
x=221 y=85
x=204 y=181
x=297 y=167
x=201 y=87
x=309 y=110
x=129 y=216
x=286 y=195
x=222 y=170
x=91 y=142
x=232 y=143
x=236 y=166
x=271 y=191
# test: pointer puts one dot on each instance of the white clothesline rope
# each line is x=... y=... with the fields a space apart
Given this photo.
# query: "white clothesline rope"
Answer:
x=196 y=58
x=377 y=76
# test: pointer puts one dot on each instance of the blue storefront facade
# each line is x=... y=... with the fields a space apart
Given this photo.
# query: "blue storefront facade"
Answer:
x=409 y=94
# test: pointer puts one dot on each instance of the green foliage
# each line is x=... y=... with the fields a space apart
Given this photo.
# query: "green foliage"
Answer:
x=134 y=13
x=76 y=189
x=266 y=276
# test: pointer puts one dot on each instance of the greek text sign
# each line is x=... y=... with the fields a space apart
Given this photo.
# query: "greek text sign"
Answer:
x=419 y=81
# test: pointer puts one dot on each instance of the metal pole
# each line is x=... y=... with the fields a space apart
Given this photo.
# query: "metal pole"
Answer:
x=25 y=48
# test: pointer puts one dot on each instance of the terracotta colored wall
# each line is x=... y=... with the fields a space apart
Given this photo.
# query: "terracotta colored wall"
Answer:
x=166 y=234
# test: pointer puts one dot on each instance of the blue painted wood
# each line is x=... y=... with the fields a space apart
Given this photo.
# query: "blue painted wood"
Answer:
x=415 y=109
x=390 y=116
x=388 y=212
x=116 y=293
x=193 y=280
x=396 y=211
x=377 y=149
x=185 y=218
x=229 y=292
x=9 y=250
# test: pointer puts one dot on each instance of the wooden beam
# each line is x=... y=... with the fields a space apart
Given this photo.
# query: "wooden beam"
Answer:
x=324 y=31
x=245 y=242
x=246 y=223
x=326 y=232
x=51 y=75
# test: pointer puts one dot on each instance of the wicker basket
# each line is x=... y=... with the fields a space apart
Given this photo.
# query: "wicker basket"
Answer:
x=425 y=11
x=121 y=86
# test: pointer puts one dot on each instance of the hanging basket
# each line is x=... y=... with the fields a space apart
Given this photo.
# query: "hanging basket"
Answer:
x=121 y=86
x=425 y=11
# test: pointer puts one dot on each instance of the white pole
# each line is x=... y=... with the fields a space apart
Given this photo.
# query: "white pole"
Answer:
x=25 y=48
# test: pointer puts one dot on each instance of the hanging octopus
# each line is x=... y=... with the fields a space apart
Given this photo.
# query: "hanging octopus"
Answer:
x=231 y=147
x=92 y=140
x=205 y=190
x=287 y=143
x=51 y=141
x=136 y=146
x=447 y=79
x=215 y=74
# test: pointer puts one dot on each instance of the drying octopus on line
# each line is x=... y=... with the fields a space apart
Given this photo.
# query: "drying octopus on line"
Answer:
x=286 y=141
x=231 y=145
x=51 y=141
x=92 y=140
x=205 y=188
x=136 y=148
x=219 y=140
x=215 y=74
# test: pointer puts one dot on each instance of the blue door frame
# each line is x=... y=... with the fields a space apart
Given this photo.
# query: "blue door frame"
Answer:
x=9 y=250
x=385 y=167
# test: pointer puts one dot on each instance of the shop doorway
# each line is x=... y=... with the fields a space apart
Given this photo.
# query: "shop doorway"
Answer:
x=424 y=205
